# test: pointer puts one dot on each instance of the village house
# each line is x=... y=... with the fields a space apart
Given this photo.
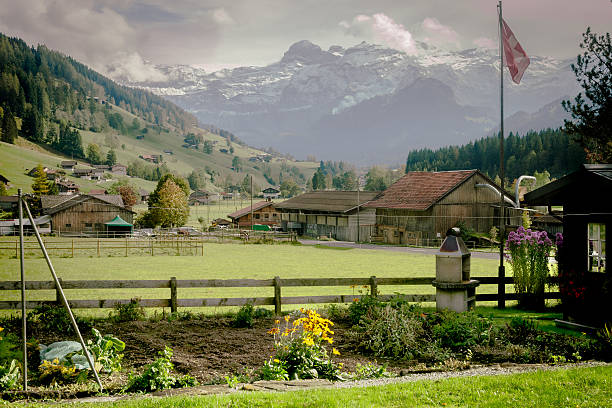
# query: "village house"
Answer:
x=11 y=226
x=585 y=276
x=264 y=213
x=86 y=214
x=52 y=174
x=271 y=193
x=151 y=158
x=144 y=195
x=201 y=197
x=4 y=180
x=66 y=187
x=421 y=206
x=336 y=214
x=68 y=164
x=9 y=203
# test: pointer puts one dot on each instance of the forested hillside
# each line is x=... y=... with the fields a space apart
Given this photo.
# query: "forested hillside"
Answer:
x=551 y=150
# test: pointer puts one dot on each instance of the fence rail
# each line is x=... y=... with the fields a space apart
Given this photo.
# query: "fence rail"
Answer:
x=277 y=283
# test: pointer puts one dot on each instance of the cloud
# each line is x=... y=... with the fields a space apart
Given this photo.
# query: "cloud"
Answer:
x=221 y=16
x=132 y=68
x=384 y=29
x=439 y=34
x=484 y=42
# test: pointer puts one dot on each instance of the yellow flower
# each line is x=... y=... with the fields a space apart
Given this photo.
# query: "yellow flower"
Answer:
x=276 y=360
x=287 y=318
x=335 y=351
x=308 y=341
x=276 y=321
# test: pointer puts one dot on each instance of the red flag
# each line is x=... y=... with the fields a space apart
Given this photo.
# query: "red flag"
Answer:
x=517 y=60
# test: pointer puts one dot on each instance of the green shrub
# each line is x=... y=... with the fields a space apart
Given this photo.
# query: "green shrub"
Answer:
x=158 y=376
x=128 y=312
x=55 y=318
x=370 y=371
x=460 y=331
x=262 y=313
x=244 y=317
x=107 y=351
x=360 y=307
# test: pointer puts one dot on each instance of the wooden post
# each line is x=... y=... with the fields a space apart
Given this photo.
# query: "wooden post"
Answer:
x=151 y=241
x=373 y=286
x=277 y=296
x=98 y=247
x=16 y=249
x=73 y=248
x=202 y=243
x=173 y=295
x=58 y=295
x=126 y=247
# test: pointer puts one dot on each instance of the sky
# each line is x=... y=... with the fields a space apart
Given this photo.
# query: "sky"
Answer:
x=130 y=37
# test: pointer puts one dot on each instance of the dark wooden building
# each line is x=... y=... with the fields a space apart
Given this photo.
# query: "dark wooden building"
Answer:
x=421 y=206
x=587 y=220
x=336 y=214
x=263 y=213
x=84 y=214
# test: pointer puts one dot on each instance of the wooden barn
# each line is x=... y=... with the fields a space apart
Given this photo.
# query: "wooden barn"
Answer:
x=420 y=207
x=336 y=214
x=84 y=214
x=585 y=276
x=263 y=213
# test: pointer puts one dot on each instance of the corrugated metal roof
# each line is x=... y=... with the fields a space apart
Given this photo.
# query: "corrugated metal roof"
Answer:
x=419 y=190
x=53 y=204
x=244 y=211
x=328 y=201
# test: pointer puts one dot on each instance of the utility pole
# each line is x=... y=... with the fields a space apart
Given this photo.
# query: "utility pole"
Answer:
x=501 y=286
x=251 y=202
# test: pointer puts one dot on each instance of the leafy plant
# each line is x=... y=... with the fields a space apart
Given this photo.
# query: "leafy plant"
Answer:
x=370 y=371
x=158 y=375
x=300 y=352
x=55 y=318
x=56 y=373
x=9 y=375
x=244 y=317
x=460 y=331
x=106 y=350
x=9 y=348
x=129 y=312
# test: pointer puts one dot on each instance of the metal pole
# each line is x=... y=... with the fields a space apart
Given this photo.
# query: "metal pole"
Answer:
x=251 y=202
x=23 y=296
x=58 y=288
x=357 y=209
x=501 y=287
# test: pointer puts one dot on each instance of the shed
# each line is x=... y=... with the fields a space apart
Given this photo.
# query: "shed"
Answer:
x=585 y=277
x=421 y=206
x=337 y=214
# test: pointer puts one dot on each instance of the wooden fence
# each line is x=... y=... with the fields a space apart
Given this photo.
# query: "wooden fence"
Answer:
x=173 y=302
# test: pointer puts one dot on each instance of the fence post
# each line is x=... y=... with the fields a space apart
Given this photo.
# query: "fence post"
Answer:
x=98 y=247
x=173 y=295
x=373 y=286
x=17 y=249
x=277 y=296
x=73 y=248
x=202 y=243
x=126 y=247
x=58 y=295
x=151 y=241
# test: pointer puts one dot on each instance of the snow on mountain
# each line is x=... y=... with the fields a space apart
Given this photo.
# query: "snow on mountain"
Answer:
x=333 y=103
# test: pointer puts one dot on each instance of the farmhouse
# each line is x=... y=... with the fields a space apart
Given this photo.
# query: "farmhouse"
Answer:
x=52 y=174
x=271 y=192
x=68 y=164
x=587 y=221
x=144 y=195
x=263 y=213
x=337 y=214
x=82 y=213
x=4 y=180
x=422 y=206
x=201 y=197
x=66 y=187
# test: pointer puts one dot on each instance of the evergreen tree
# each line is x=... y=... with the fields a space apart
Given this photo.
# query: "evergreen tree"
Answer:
x=41 y=185
x=318 y=180
x=9 y=127
x=592 y=118
x=111 y=158
x=208 y=147
x=3 y=189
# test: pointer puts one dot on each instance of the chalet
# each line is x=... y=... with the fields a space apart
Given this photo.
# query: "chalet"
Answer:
x=119 y=169
x=66 y=187
x=4 y=180
x=151 y=158
x=52 y=174
x=97 y=191
x=9 y=203
x=263 y=213
x=68 y=164
x=585 y=277
x=144 y=195
x=336 y=214
x=86 y=214
x=83 y=173
x=221 y=223
x=271 y=193
x=422 y=206
x=103 y=167
x=201 y=197
x=226 y=196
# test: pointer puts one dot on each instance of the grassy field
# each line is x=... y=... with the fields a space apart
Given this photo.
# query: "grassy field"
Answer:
x=225 y=261
x=576 y=387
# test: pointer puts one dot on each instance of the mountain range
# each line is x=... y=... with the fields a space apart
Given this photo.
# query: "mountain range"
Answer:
x=368 y=103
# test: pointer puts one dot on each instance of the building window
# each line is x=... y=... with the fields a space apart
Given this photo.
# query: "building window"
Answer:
x=257 y=216
x=266 y=216
x=88 y=225
x=68 y=225
x=597 y=247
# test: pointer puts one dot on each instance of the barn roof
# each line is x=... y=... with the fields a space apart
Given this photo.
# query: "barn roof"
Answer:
x=244 y=211
x=419 y=190
x=54 y=204
x=328 y=201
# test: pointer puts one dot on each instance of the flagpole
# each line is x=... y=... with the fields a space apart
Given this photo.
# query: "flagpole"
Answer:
x=501 y=286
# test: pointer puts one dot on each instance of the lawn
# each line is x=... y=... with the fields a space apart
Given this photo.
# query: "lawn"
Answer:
x=225 y=261
x=577 y=387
